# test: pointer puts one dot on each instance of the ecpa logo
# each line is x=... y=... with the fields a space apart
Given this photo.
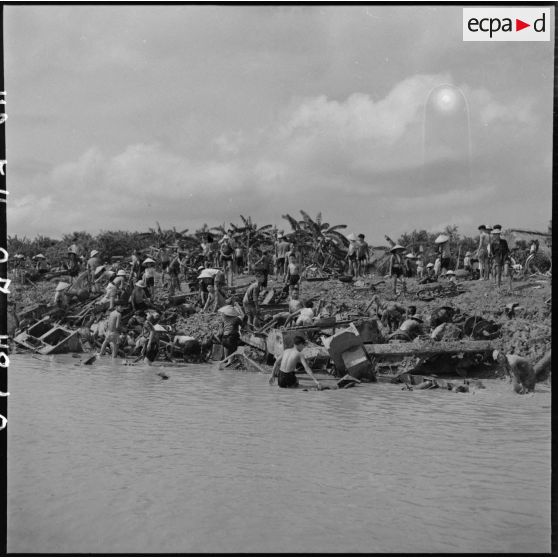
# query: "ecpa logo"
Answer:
x=506 y=24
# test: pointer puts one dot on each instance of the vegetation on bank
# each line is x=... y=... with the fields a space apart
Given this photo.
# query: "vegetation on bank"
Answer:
x=317 y=241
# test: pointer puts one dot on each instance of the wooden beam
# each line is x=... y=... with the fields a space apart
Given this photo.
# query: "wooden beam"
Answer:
x=424 y=349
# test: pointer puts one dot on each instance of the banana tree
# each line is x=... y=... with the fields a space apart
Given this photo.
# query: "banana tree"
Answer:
x=251 y=236
x=322 y=242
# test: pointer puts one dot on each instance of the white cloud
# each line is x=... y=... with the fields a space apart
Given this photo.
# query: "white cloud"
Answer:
x=314 y=152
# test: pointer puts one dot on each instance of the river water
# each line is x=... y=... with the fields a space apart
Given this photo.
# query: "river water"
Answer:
x=112 y=459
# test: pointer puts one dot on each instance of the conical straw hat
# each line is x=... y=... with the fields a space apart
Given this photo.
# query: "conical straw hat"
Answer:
x=441 y=239
x=229 y=311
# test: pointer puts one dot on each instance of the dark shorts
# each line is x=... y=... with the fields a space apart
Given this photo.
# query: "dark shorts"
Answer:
x=227 y=258
x=294 y=279
x=287 y=379
x=230 y=342
x=445 y=263
x=150 y=281
x=204 y=283
x=240 y=262
x=152 y=353
x=280 y=262
x=397 y=271
x=191 y=348
x=352 y=257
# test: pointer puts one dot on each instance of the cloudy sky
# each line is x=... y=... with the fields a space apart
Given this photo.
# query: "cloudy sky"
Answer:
x=380 y=117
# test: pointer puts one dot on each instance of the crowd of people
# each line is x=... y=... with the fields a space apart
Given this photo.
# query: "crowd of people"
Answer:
x=132 y=285
x=491 y=260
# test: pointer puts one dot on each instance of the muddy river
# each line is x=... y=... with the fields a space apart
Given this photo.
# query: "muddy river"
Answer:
x=112 y=459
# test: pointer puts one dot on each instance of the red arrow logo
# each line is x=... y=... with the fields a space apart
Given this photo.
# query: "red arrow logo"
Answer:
x=519 y=25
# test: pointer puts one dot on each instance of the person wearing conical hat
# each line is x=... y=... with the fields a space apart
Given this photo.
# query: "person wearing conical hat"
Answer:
x=443 y=251
x=397 y=266
x=72 y=264
x=228 y=333
x=138 y=298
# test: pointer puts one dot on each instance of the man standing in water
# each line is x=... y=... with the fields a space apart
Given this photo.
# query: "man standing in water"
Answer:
x=113 y=331
x=284 y=367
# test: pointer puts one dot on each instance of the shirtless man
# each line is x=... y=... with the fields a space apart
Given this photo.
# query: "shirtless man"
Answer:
x=281 y=249
x=250 y=302
x=293 y=272
x=363 y=253
x=285 y=367
x=295 y=303
x=482 y=252
x=113 y=331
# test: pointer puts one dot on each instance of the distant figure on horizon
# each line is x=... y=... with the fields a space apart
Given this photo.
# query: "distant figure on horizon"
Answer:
x=363 y=256
x=397 y=266
x=352 y=255
x=482 y=252
x=281 y=249
x=499 y=251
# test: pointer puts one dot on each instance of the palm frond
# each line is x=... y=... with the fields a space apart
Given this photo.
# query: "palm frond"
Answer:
x=339 y=236
x=336 y=228
x=293 y=222
x=265 y=228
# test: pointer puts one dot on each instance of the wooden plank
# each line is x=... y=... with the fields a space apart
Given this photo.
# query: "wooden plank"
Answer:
x=427 y=348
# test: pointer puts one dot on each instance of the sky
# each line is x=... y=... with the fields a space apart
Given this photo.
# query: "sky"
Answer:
x=379 y=117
